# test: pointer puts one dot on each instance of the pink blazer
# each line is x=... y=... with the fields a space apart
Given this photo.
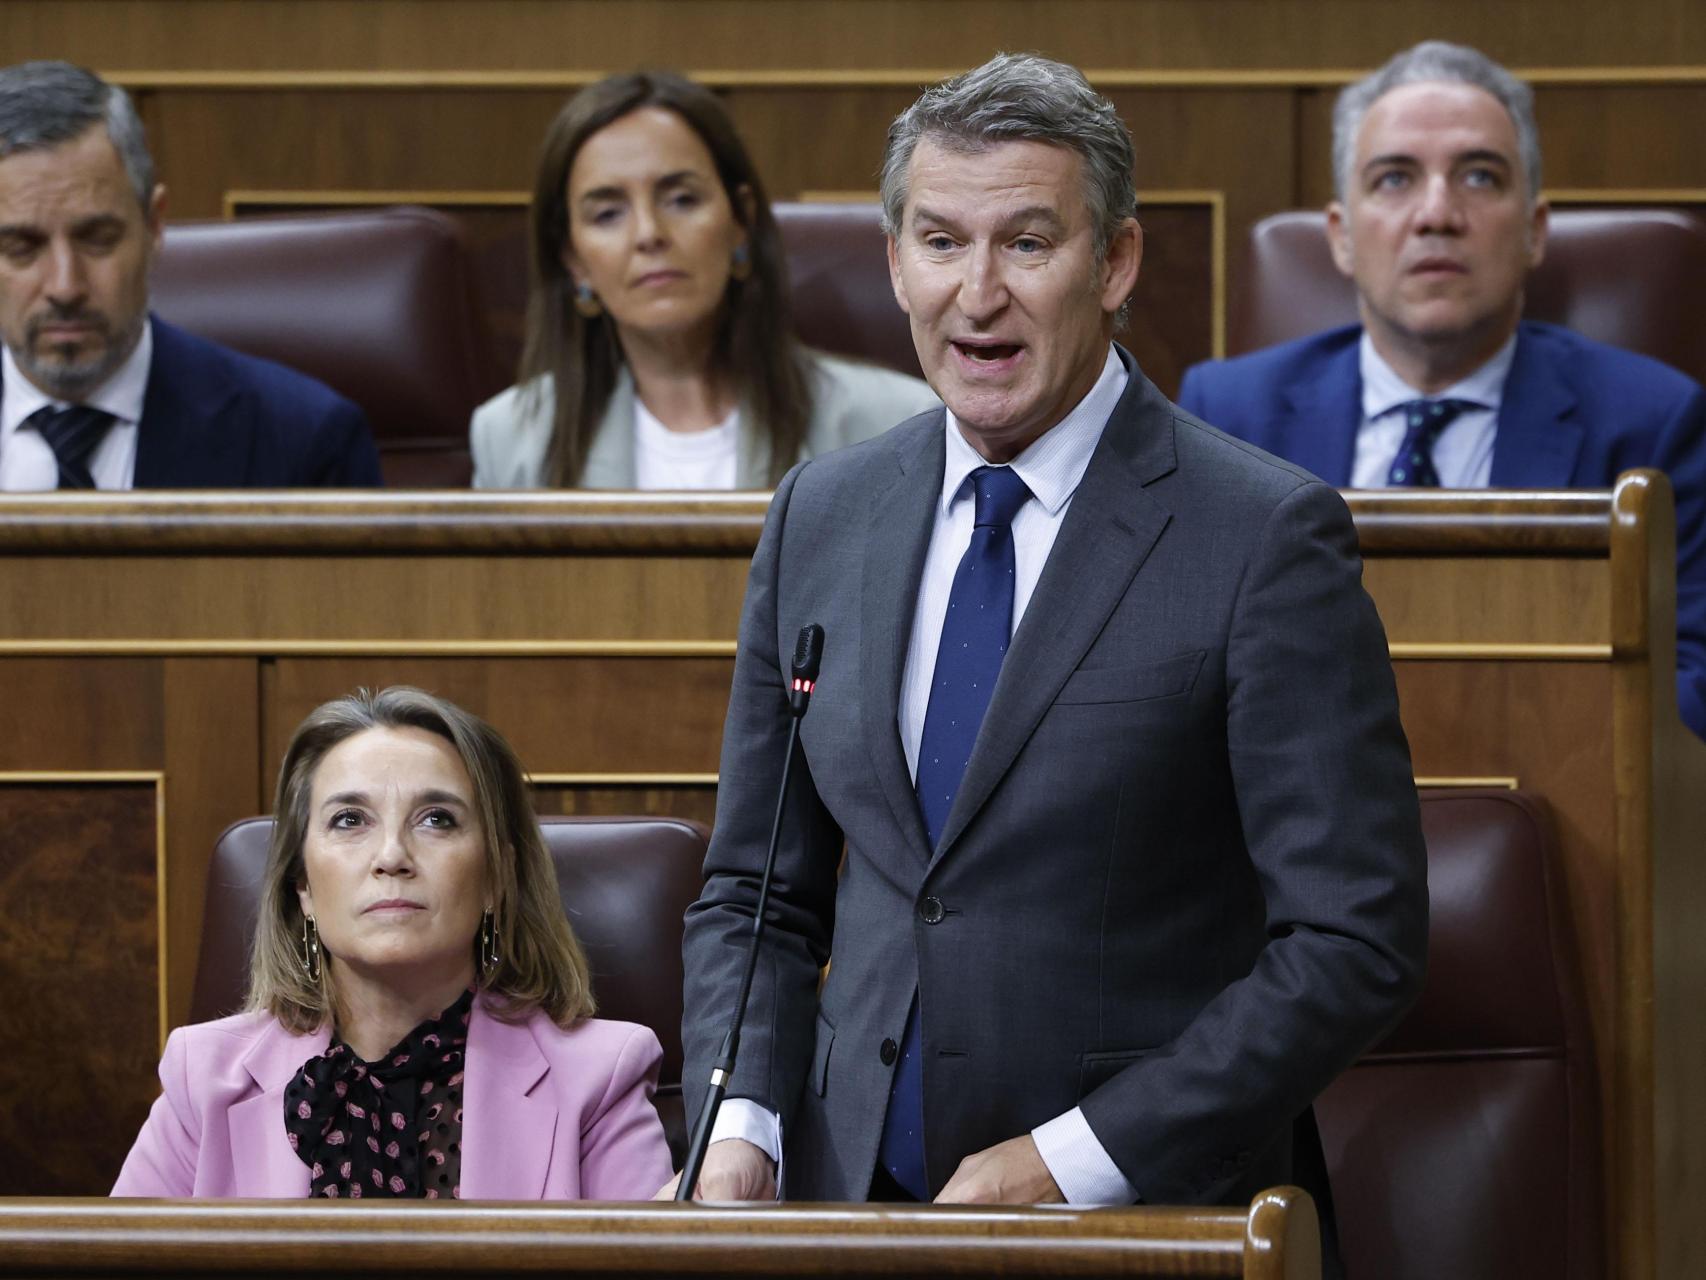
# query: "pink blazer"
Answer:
x=548 y=1114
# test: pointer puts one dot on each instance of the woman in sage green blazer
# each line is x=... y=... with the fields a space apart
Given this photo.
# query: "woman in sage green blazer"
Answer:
x=660 y=353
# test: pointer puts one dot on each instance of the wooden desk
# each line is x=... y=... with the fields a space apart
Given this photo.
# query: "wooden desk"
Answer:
x=1278 y=1238
x=156 y=650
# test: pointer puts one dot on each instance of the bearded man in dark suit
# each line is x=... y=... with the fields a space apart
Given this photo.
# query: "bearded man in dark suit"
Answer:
x=94 y=392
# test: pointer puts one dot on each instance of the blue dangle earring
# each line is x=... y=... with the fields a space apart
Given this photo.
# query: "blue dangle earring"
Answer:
x=740 y=263
x=587 y=303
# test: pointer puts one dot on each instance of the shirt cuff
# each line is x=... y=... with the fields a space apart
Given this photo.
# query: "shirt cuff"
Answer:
x=745 y=1119
x=1080 y=1165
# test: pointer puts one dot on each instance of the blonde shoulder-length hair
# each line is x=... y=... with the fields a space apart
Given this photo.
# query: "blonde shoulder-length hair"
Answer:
x=540 y=965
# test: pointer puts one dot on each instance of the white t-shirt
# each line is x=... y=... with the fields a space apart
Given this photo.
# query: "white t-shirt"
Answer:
x=665 y=459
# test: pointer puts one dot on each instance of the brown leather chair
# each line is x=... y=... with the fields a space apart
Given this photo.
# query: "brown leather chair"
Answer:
x=839 y=270
x=377 y=303
x=1467 y=1143
x=1630 y=277
x=625 y=883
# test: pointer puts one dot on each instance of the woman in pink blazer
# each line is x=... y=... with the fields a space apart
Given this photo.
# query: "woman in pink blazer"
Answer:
x=418 y=1008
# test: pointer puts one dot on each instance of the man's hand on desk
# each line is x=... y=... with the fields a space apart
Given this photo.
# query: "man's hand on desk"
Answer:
x=734 y=1170
x=1010 y=1172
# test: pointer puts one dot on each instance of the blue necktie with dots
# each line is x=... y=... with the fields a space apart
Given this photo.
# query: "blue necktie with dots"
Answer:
x=1423 y=422
x=974 y=640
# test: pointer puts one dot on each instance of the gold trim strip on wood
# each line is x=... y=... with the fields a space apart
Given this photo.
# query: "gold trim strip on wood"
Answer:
x=1626 y=195
x=622 y=779
x=1414 y=651
x=370 y=648
x=1508 y=784
x=54 y=777
x=849 y=78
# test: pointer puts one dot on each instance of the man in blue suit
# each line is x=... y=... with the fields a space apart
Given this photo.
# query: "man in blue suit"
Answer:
x=94 y=392
x=1438 y=220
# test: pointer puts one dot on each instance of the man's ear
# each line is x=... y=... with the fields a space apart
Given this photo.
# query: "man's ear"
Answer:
x=155 y=215
x=895 y=282
x=1121 y=266
x=1339 y=236
x=1540 y=221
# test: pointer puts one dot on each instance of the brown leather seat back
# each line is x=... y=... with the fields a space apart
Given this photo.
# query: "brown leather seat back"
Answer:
x=378 y=304
x=1630 y=277
x=626 y=883
x=839 y=271
x=1467 y=1143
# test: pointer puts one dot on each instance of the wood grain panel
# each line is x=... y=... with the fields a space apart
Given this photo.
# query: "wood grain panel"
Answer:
x=272 y=598
x=40 y=736
x=556 y=35
x=1491 y=601
x=696 y=802
x=78 y=963
x=589 y=715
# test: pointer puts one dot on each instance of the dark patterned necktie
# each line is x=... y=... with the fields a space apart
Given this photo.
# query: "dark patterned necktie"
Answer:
x=1423 y=422
x=73 y=433
x=968 y=660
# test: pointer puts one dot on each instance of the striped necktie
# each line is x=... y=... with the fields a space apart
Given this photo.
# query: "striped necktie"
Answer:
x=73 y=433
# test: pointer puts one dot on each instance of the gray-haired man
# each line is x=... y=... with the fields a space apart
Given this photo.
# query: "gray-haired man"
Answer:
x=1106 y=725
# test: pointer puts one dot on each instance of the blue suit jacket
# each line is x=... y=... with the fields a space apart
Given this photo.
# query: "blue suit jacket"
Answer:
x=1575 y=414
x=213 y=418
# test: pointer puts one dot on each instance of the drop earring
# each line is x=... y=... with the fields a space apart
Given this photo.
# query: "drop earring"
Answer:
x=310 y=948
x=740 y=263
x=587 y=303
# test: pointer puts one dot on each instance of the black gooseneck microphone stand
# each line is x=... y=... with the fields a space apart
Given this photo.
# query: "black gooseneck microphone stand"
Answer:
x=808 y=658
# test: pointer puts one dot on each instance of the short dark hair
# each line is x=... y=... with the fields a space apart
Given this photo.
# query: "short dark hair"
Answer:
x=579 y=358
x=46 y=104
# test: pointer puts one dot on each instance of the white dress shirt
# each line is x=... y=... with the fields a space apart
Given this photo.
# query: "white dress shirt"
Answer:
x=1051 y=468
x=1463 y=452
x=27 y=462
x=665 y=459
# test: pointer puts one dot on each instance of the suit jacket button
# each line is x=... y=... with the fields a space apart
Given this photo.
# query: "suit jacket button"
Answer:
x=889 y=1052
x=931 y=910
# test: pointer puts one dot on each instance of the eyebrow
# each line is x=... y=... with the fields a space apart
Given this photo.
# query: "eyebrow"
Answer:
x=1031 y=213
x=611 y=192
x=432 y=795
x=1479 y=155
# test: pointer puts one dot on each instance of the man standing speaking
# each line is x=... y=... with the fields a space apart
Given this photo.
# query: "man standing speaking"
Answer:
x=1106 y=727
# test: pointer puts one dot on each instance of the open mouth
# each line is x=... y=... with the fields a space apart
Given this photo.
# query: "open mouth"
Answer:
x=987 y=352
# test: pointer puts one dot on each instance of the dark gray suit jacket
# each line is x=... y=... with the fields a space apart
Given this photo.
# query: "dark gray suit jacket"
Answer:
x=1183 y=882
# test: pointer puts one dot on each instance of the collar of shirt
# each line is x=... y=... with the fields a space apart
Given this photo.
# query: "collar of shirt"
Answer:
x=120 y=395
x=1056 y=461
x=1383 y=390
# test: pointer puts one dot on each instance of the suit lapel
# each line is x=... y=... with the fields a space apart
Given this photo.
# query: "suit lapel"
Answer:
x=895 y=546
x=262 y=1163
x=509 y=1125
x=610 y=458
x=1323 y=415
x=1537 y=440
x=1104 y=539
x=180 y=442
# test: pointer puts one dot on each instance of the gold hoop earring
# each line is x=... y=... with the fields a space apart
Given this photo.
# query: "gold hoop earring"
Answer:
x=310 y=948
x=489 y=954
x=587 y=303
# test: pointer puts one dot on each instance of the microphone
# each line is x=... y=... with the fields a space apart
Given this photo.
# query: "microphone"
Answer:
x=808 y=658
